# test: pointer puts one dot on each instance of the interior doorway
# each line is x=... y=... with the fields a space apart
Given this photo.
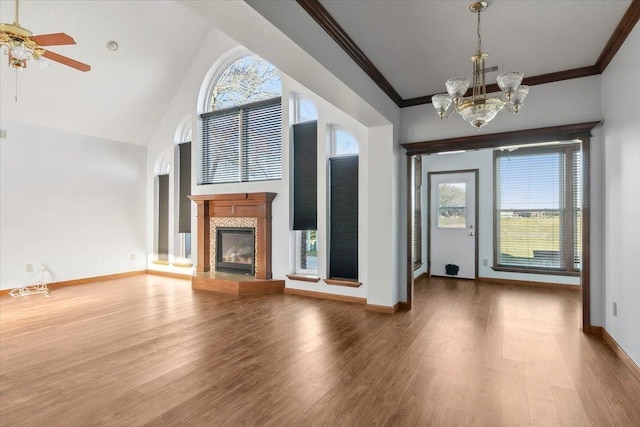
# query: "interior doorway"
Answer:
x=580 y=132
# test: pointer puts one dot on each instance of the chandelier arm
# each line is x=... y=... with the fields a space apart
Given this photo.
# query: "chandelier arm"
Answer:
x=449 y=111
x=510 y=108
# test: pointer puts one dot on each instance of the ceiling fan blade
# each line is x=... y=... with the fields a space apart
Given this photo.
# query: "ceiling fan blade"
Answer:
x=66 y=61
x=55 y=39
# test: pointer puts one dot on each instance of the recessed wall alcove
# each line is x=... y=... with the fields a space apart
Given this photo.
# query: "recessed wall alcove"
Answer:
x=238 y=209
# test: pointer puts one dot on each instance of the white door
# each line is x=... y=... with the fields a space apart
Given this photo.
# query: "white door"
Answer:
x=452 y=226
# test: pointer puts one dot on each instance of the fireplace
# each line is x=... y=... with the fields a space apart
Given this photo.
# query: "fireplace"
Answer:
x=235 y=250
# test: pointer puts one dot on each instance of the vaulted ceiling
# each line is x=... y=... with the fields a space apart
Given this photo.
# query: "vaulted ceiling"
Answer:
x=407 y=48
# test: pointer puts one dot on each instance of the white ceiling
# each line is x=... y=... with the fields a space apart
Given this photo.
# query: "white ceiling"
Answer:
x=416 y=45
x=126 y=92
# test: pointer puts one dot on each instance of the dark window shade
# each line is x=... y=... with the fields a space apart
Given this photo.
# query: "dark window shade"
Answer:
x=163 y=217
x=184 y=185
x=242 y=143
x=305 y=176
x=538 y=197
x=343 y=251
x=417 y=212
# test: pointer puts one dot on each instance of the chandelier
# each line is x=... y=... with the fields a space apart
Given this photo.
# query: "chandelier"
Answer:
x=480 y=109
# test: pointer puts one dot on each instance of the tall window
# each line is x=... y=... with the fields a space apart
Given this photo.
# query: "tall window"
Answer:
x=241 y=135
x=538 y=209
x=417 y=212
x=305 y=195
x=343 y=214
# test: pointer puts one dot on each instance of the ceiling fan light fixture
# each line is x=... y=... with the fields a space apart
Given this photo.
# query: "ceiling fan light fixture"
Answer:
x=18 y=51
x=479 y=109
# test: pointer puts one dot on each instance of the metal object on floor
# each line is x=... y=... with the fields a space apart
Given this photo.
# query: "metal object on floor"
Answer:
x=39 y=287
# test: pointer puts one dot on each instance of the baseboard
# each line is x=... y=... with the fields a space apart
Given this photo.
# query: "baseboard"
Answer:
x=169 y=274
x=86 y=280
x=635 y=369
x=324 y=295
x=383 y=308
x=404 y=306
x=529 y=283
x=593 y=330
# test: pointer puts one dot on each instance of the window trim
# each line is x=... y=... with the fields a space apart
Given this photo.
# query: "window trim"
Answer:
x=568 y=148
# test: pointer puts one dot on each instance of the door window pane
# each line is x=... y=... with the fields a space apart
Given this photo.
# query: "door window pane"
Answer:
x=452 y=205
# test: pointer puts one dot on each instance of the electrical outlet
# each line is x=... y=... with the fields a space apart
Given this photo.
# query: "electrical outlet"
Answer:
x=615 y=309
x=132 y=257
x=485 y=262
x=29 y=268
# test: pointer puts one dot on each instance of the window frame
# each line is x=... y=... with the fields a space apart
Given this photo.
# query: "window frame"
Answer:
x=297 y=234
x=417 y=223
x=569 y=231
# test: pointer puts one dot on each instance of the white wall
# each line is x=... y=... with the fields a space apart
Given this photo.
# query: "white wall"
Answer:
x=75 y=203
x=621 y=135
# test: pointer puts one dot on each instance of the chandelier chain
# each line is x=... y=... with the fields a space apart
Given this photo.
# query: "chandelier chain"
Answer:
x=479 y=36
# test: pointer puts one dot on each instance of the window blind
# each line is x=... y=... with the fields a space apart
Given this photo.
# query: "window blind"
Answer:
x=184 y=185
x=343 y=250
x=242 y=143
x=305 y=176
x=538 y=217
x=163 y=217
x=417 y=212
x=577 y=211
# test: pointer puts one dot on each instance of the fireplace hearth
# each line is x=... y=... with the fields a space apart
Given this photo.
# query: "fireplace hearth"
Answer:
x=235 y=250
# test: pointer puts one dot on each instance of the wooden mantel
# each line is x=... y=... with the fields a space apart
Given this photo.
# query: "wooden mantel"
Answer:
x=251 y=205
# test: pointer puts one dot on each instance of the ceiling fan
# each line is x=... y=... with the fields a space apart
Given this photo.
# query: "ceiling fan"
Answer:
x=21 y=45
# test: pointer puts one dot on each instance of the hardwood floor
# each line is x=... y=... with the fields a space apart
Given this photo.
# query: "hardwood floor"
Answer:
x=147 y=350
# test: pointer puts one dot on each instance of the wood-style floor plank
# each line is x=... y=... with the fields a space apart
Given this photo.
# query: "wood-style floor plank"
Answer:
x=149 y=350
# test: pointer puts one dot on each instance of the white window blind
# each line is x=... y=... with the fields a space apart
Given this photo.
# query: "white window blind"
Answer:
x=242 y=144
x=538 y=208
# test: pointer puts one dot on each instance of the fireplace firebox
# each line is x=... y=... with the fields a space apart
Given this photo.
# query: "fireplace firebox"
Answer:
x=235 y=250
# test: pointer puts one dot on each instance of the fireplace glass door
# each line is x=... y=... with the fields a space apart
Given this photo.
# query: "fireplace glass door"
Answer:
x=235 y=250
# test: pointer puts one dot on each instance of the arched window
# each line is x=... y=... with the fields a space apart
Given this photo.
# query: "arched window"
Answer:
x=242 y=133
x=183 y=184
x=162 y=170
x=343 y=202
x=305 y=186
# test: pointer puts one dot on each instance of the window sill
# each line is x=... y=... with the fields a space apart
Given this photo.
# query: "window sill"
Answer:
x=303 y=278
x=160 y=261
x=182 y=264
x=535 y=271
x=343 y=282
